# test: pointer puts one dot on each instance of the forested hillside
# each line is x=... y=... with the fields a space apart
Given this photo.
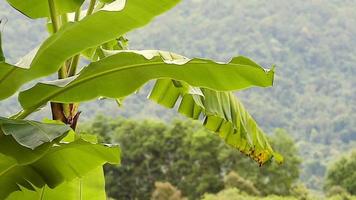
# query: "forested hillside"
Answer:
x=312 y=43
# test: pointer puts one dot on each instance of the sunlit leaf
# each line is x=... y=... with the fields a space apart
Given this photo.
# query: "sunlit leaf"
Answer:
x=49 y=165
x=32 y=134
x=90 y=186
x=40 y=8
x=121 y=74
x=73 y=38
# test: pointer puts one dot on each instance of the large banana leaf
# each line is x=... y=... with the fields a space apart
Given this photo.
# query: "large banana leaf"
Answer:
x=223 y=113
x=90 y=186
x=73 y=38
x=32 y=134
x=40 y=8
x=49 y=165
x=121 y=74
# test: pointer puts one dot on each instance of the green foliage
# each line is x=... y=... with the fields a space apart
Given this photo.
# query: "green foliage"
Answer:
x=281 y=177
x=119 y=68
x=49 y=164
x=274 y=179
x=313 y=38
x=342 y=197
x=338 y=192
x=299 y=36
x=342 y=174
x=235 y=194
x=69 y=39
x=234 y=180
x=90 y=186
x=51 y=161
x=300 y=192
x=223 y=113
x=184 y=154
x=39 y=8
x=32 y=134
x=312 y=45
x=166 y=191
x=73 y=38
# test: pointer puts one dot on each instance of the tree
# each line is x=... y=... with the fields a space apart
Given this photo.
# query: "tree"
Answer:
x=270 y=178
x=300 y=192
x=234 y=180
x=166 y=191
x=184 y=154
x=342 y=174
x=338 y=192
x=235 y=194
x=281 y=178
x=97 y=34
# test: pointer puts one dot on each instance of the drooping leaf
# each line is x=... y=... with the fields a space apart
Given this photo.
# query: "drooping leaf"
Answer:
x=73 y=38
x=223 y=114
x=121 y=74
x=40 y=8
x=90 y=186
x=51 y=166
x=32 y=134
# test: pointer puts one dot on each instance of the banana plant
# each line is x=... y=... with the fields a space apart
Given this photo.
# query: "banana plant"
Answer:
x=49 y=159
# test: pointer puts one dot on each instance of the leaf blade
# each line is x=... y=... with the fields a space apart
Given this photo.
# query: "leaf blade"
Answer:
x=32 y=134
x=40 y=8
x=53 y=166
x=74 y=38
x=93 y=185
x=224 y=114
x=132 y=70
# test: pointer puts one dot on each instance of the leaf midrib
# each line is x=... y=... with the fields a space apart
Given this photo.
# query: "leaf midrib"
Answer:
x=7 y=75
x=80 y=81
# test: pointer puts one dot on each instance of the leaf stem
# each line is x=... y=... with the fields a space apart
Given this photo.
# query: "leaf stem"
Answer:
x=77 y=14
x=53 y=14
x=64 y=18
x=75 y=59
x=91 y=7
x=73 y=65
x=57 y=109
x=62 y=73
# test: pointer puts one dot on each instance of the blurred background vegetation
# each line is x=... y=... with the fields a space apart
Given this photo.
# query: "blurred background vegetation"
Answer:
x=309 y=113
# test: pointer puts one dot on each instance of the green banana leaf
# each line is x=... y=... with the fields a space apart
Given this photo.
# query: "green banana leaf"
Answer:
x=223 y=114
x=121 y=74
x=73 y=38
x=32 y=134
x=90 y=186
x=50 y=164
x=40 y=8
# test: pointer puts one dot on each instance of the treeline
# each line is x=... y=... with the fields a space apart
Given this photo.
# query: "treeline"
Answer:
x=184 y=160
